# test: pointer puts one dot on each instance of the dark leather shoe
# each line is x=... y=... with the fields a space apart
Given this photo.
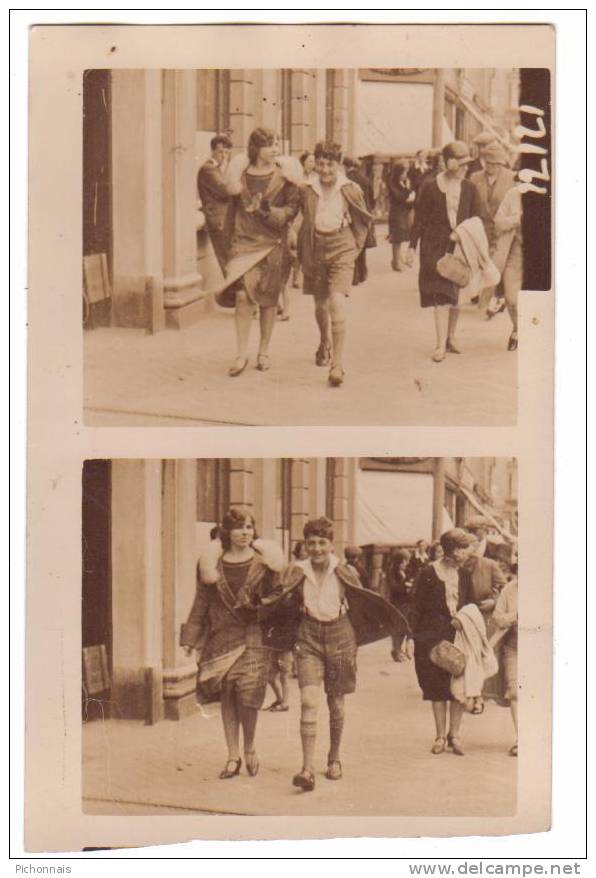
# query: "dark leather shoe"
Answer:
x=512 y=343
x=305 y=780
x=334 y=770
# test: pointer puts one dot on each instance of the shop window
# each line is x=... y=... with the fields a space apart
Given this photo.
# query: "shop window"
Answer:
x=213 y=100
x=213 y=489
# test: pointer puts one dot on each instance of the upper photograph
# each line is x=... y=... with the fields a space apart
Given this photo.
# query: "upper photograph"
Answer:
x=310 y=247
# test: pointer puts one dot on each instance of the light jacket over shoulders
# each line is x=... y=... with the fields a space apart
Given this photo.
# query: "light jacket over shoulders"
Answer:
x=481 y=662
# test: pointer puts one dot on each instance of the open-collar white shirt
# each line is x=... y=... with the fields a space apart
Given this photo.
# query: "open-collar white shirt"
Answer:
x=323 y=602
x=332 y=212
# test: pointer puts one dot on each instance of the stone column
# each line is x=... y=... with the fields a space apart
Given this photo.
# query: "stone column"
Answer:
x=340 y=108
x=242 y=119
x=303 y=88
x=179 y=562
x=341 y=505
x=137 y=198
x=300 y=498
x=182 y=283
x=438 y=497
x=242 y=491
x=438 y=107
x=136 y=589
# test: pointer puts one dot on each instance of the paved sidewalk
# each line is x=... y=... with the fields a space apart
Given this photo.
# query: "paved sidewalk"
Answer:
x=172 y=767
x=180 y=376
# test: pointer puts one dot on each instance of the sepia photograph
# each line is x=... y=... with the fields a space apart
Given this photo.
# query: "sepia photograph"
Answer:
x=310 y=246
x=300 y=636
x=291 y=329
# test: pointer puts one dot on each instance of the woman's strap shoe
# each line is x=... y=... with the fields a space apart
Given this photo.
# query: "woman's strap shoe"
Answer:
x=252 y=763
x=238 y=369
x=232 y=768
x=438 y=746
x=263 y=363
x=454 y=745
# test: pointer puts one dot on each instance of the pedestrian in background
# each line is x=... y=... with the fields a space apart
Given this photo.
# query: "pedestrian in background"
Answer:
x=505 y=618
x=487 y=579
x=354 y=173
x=265 y=201
x=435 y=551
x=307 y=162
x=234 y=650
x=419 y=170
x=442 y=588
x=401 y=590
x=418 y=559
x=443 y=203
x=215 y=198
x=497 y=186
x=401 y=210
x=335 y=225
x=353 y=556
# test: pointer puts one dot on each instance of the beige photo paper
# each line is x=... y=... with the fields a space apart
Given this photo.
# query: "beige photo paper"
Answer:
x=290 y=432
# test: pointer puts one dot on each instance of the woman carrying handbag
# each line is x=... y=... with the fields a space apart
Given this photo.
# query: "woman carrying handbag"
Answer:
x=442 y=588
x=443 y=203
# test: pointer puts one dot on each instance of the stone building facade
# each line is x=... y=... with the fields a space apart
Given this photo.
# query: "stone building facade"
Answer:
x=146 y=522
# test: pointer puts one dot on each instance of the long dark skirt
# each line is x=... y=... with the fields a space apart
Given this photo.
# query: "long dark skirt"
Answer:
x=434 y=682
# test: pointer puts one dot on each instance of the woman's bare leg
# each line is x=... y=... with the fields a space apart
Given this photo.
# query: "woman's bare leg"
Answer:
x=452 y=323
x=231 y=723
x=440 y=717
x=456 y=711
x=243 y=316
x=441 y=327
x=248 y=720
x=267 y=321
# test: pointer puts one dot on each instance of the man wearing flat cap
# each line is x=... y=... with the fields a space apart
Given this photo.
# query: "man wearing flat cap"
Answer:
x=487 y=577
x=479 y=144
x=504 y=237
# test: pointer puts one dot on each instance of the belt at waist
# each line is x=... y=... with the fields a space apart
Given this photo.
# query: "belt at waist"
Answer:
x=342 y=613
x=325 y=234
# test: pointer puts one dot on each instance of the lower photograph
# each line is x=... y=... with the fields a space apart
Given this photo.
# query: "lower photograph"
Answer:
x=323 y=636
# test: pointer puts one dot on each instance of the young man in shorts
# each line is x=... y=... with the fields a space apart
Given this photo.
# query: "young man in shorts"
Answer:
x=334 y=229
x=325 y=647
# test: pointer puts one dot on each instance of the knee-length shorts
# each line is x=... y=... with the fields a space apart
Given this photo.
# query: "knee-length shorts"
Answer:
x=326 y=653
x=333 y=265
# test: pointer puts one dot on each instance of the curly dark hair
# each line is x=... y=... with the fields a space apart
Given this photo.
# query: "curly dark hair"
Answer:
x=326 y=149
x=259 y=138
x=221 y=138
x=456 y=538
x=232 y=520
x=318 y=527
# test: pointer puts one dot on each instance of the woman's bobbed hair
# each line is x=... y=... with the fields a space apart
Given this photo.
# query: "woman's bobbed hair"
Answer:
x=232 y=520
x=456 y=538
x=259 y=138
